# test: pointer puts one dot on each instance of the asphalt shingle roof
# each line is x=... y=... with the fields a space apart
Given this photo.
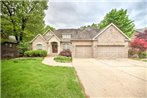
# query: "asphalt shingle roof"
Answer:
x=87 y=33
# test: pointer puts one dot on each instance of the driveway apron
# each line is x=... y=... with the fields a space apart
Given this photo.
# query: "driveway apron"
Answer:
x=118 y=78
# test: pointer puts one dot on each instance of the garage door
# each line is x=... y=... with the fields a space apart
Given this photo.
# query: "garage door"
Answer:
x=83 y=51
x=110 y=51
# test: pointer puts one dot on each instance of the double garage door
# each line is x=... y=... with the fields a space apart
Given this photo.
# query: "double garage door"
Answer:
x=106 y=51
x=110 y=51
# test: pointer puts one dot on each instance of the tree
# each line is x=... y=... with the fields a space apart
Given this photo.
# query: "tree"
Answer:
x=49 y=28
x=91 y=26
x=94 y=25
x=140 y=42
x=120 y=19
x=23 y=19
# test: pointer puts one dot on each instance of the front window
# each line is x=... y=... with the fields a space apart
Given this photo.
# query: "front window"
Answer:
x=10 y=45
x=66 y=36
x=39 y=46
x=66 y=46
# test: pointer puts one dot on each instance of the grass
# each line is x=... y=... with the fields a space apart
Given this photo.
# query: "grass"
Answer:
x=63 y=59
x=140 y=59
x=29 y=78
x=144 y=60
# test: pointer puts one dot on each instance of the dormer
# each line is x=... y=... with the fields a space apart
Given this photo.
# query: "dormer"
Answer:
x=66 y=36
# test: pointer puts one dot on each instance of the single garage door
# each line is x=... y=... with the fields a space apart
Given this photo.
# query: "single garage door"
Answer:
x=83 y=51
x=110 y=51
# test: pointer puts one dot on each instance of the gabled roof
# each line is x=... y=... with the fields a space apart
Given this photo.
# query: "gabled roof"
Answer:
x=36 y=37
x=78 y=34
x=47 y=38
x=141 y=30
x=111 y=24
x=10 y=39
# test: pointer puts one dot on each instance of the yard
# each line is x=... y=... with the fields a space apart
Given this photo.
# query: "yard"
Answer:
x=29 y=78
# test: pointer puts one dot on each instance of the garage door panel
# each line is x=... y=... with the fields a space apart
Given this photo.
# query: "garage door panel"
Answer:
x=83 y=51
x=110 y=51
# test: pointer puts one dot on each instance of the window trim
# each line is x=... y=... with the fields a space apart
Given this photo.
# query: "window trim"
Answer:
x=66 y=46
x=66 y=36
x=39 y=46
x=10 y=45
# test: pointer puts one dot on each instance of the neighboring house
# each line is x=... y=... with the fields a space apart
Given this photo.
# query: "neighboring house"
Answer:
x=137 y=31
x=110 y=42
x=8 y=48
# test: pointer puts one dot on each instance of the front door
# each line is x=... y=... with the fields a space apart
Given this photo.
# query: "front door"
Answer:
x=54 y=47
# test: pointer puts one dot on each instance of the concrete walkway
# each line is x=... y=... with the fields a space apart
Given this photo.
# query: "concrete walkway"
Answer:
x=120 y=78
x=50 y=61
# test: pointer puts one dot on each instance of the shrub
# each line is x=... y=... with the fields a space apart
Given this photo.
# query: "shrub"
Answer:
x=142 y=54
x=35 y=53
x=22 y=47
x=66 y=53
x=139 y=43
x=28 y=53
x=62 y=59
x=133 y=53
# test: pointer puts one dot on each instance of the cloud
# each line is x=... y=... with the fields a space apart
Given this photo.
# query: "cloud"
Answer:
x=74 y=14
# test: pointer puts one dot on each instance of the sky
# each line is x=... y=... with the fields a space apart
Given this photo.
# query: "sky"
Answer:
x=64 y=14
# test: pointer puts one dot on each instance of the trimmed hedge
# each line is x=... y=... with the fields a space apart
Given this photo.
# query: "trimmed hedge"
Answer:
x=35 y=53
x=63 y=59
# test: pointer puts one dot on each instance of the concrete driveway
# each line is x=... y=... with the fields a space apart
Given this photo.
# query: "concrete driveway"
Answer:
x=119 y=78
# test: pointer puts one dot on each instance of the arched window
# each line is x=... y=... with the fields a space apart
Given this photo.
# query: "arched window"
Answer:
x=39 y=46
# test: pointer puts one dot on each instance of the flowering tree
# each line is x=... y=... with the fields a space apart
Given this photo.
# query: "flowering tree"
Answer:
x=139 y=44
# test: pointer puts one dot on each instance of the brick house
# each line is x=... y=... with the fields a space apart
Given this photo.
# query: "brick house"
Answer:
x=109 y=42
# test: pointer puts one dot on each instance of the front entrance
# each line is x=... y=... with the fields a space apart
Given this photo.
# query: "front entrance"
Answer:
x=54 y=47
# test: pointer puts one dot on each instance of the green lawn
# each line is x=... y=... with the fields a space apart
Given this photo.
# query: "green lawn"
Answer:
x=144 y=60
x=28 y=78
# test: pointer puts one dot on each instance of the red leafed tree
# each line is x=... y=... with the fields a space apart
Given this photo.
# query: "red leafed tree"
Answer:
x=140 y=42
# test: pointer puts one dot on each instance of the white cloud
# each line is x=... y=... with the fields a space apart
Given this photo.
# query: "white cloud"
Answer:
x=73 y=14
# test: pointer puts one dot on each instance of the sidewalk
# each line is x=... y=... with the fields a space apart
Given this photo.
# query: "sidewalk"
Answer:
x=50 y=61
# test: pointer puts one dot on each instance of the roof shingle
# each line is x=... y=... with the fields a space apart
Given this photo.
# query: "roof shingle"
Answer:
x=87 y=33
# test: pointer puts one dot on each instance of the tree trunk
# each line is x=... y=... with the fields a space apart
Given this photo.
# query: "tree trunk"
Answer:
x=22 y=29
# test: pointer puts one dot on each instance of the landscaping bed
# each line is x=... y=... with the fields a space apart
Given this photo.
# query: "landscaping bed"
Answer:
x=29 y=78
x=63 y=59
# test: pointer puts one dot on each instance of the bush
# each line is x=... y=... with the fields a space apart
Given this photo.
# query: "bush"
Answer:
x=22 y=47
x=66 y=53
x=133 y=53
x=35 y=53
x=140 y=44
x=142 y=54
x=28 y=53
x=63 y=59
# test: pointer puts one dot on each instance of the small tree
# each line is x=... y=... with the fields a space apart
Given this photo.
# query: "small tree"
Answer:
x=22 y=47
x=140 y=44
